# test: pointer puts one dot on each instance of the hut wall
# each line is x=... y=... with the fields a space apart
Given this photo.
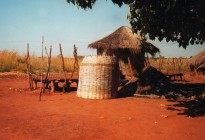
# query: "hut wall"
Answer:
x=130 y=63
x=98 y=77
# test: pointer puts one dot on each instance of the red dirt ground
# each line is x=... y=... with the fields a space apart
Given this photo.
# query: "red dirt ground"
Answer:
x=65 y=116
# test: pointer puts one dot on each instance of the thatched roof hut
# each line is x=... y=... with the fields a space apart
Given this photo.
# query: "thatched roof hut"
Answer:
x=197 y=62
x=128 y=47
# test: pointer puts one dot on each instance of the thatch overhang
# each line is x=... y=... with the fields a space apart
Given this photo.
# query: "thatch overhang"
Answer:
x=129 y=48
x=124 y=39
x=201 y=67
x=198 y=61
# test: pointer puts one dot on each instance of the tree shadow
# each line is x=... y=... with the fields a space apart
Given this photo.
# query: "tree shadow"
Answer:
x=152 y=83
x=189 y=96
x=193 y=108
x=188 y=89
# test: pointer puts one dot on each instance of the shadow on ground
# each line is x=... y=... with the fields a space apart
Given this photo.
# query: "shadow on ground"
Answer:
x=192 y=108
x=189 y=97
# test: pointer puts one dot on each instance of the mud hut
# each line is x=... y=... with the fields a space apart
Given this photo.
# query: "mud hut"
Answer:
x=128 y=47
x=197 y=62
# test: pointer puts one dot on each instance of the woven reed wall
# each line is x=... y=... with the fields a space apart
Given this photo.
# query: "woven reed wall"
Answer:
x=98 y=77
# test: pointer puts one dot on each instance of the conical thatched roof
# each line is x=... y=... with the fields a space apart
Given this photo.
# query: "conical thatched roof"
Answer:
x=124 y=38
x=198 y=61
x=201 y=67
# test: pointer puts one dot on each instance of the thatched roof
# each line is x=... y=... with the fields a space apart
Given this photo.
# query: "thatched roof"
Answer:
x=201 y=67
x=198 y=61
x=124 y=38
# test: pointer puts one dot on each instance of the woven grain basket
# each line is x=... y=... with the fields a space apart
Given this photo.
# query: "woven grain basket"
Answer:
x=98 y=77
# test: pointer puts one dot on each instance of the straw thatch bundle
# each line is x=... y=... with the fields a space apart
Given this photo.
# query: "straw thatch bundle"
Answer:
x=98 y=77
x=152 y=81
x=128 y=47
x=198 y=61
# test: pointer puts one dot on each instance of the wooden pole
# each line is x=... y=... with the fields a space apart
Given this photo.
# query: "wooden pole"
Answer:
x=28 y=69
x=48 y=64
x=75 y=65
x=31 y=78
x=41 y=87
x=63 y=68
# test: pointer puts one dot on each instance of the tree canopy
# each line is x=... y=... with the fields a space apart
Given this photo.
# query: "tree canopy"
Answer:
x=174 y=20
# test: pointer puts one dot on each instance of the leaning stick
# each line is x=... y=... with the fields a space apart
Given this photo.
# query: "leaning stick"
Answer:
x=47 y=55
x=41 y=70
x=63 y=64
x=48 y=64
x=75 y=65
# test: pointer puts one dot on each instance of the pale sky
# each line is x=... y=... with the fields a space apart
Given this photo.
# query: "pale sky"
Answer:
x=26 y=21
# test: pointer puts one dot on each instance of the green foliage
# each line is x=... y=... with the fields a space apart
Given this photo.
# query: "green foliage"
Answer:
x=182 y=21
x=82 y=3
x=175 y=20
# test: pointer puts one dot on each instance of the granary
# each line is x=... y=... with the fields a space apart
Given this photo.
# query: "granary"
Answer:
x=128 y=47
x=197 y=62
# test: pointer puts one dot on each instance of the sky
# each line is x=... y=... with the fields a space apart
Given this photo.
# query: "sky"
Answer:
x=26 y=21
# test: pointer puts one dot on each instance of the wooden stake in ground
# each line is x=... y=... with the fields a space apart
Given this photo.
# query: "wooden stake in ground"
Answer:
x=48 y=65
x=29 y=69
x=63 y=68
x=75 y=65
x=41 y=90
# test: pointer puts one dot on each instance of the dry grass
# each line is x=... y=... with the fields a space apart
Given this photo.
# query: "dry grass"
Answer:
x=13 y=61
x=10 y=60
x=170 y=64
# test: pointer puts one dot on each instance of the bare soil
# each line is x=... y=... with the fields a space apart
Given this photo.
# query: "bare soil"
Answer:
x=65 y=116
